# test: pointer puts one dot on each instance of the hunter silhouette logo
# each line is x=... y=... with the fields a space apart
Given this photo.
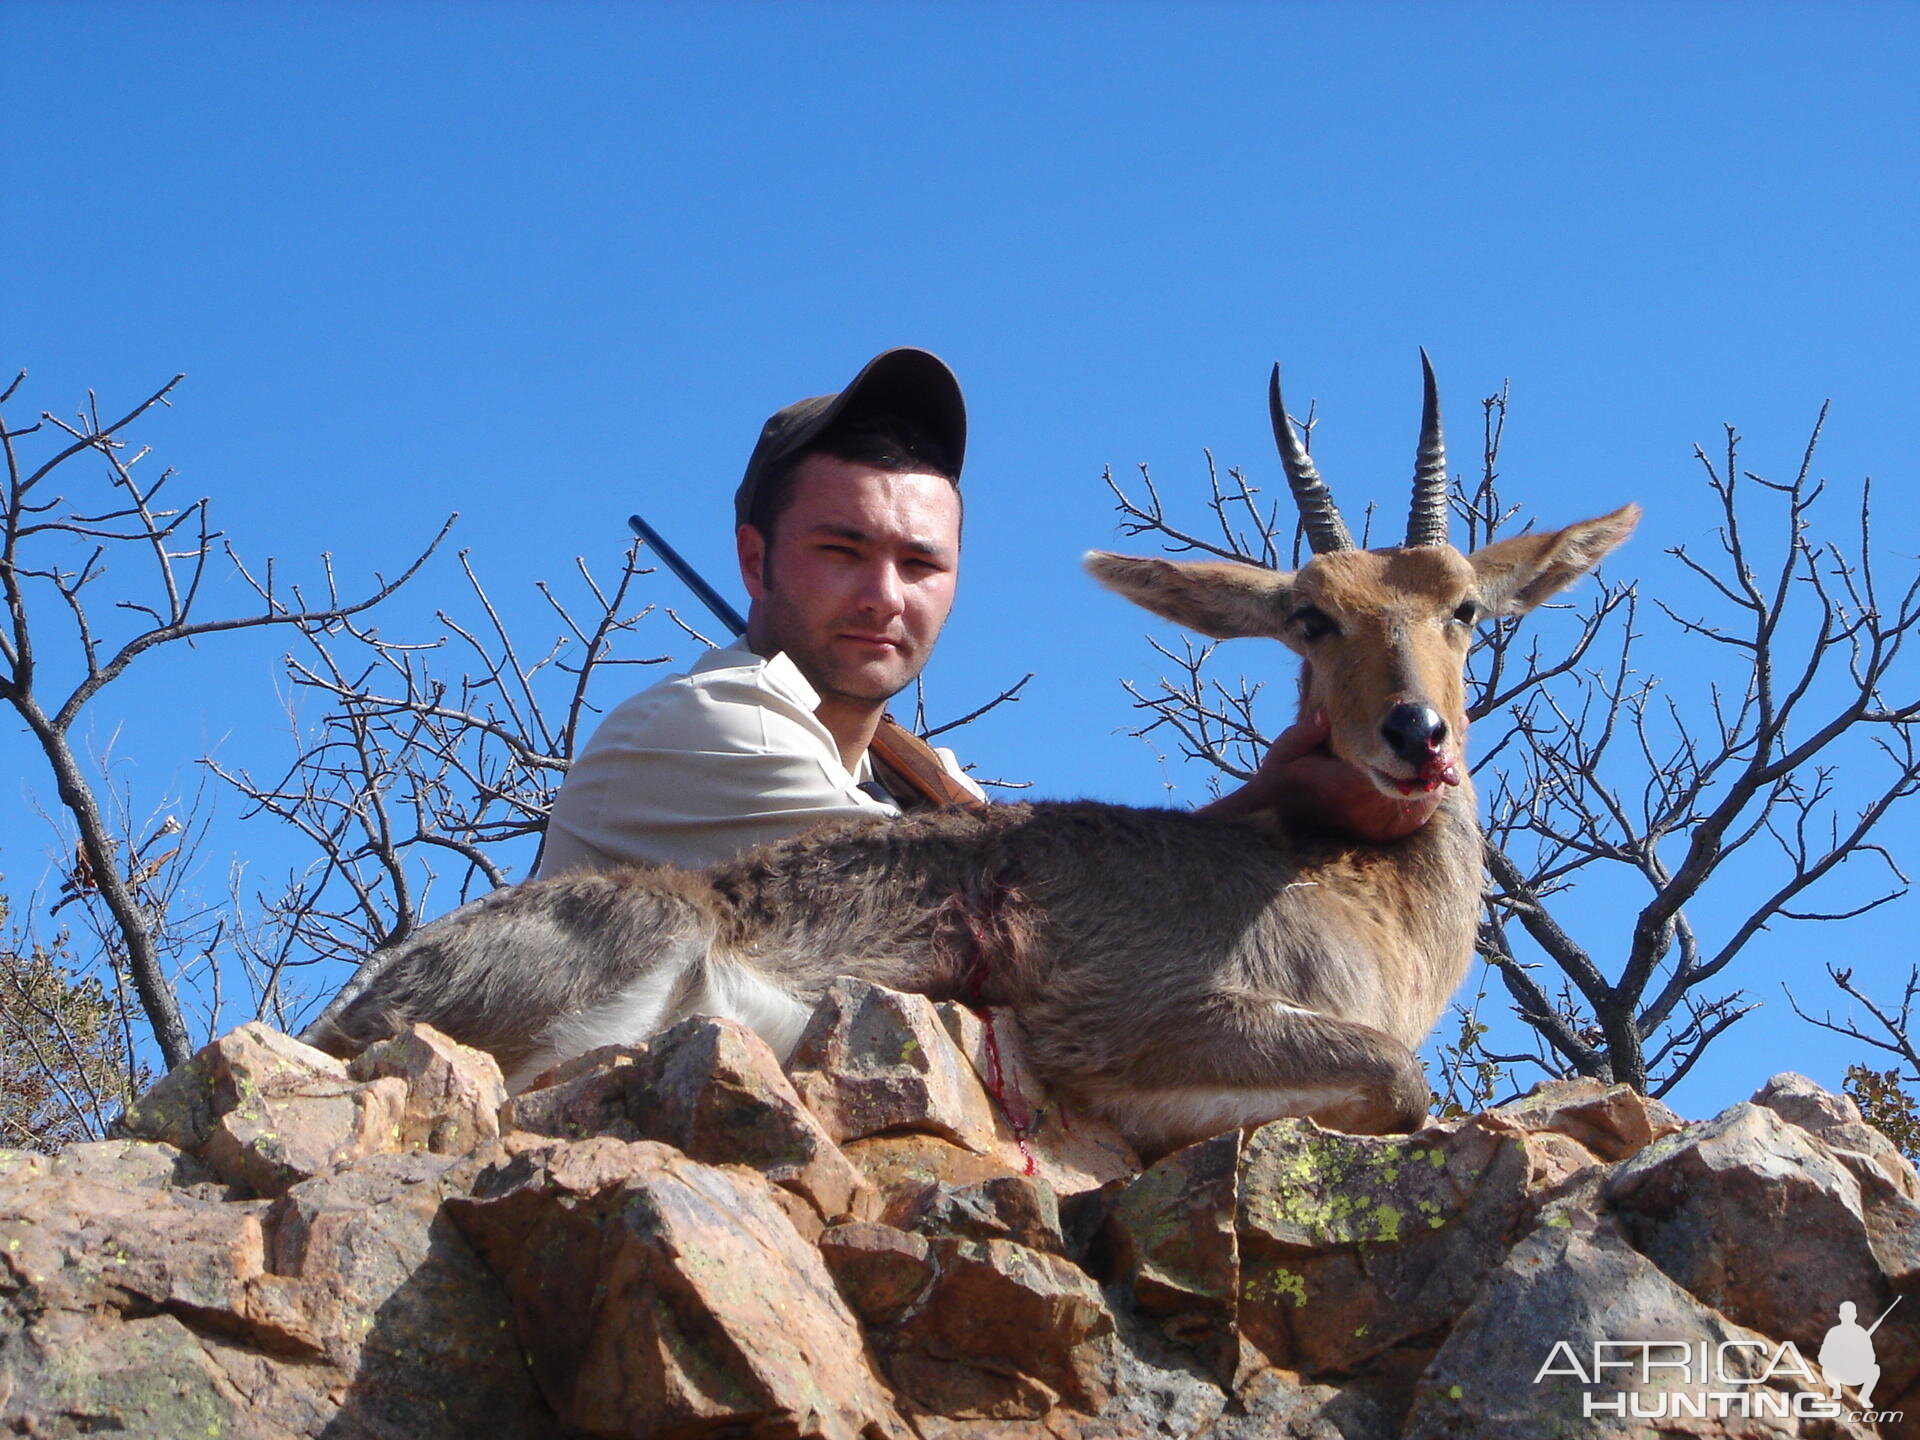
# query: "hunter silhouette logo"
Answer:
x=1846 y=1355
x=1671 y=1379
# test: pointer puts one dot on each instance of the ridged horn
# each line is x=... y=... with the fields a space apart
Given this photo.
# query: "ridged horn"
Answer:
x=1427 y=523
x=1326 y=531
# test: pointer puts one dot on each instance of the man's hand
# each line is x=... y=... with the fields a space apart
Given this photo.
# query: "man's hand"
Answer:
x=1302 y=781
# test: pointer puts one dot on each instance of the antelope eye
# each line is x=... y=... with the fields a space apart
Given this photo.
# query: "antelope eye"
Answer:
x=1468 y=613
x=1312 y=623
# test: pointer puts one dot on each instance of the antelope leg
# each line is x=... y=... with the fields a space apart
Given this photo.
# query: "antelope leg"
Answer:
x=1233 y=1060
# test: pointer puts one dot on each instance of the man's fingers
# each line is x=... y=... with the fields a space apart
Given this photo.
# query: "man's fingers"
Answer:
x=1303 y=737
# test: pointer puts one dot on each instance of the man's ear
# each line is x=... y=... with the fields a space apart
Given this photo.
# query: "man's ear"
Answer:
x=751 y=546
x=1215 y=597
x=1516 y=575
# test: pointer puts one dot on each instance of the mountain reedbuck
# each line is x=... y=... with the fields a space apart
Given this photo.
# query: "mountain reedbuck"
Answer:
x=1181 y=974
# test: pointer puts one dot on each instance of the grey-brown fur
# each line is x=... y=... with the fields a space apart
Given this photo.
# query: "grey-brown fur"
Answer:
x=1225 y=917
x=1183 y=974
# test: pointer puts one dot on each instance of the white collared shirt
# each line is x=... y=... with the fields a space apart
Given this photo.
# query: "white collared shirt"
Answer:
x=701 y=766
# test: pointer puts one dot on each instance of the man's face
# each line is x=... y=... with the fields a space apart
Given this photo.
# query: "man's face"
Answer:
x=859 y=576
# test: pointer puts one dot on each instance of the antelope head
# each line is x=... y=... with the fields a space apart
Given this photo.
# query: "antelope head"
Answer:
x=1383 y=633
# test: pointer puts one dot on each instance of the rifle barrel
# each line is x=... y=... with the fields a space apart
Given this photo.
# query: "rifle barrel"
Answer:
x=1884 y=1313
x=689 y=577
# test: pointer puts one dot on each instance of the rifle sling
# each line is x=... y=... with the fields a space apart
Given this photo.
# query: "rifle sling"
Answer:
x=908 y=759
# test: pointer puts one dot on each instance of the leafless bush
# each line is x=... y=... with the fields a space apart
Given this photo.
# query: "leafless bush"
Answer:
x=413 y=782
x=60 y=648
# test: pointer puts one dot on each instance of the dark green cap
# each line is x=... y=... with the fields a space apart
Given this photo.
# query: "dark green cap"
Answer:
x=912 y=384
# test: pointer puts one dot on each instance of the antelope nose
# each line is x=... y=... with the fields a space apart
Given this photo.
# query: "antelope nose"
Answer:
x=1414 y=732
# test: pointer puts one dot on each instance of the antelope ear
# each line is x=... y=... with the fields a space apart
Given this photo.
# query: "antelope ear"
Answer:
x=1215 y=597
x=1516 y=575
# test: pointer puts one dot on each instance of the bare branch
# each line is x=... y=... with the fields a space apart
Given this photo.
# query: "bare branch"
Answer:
x=1010 y=695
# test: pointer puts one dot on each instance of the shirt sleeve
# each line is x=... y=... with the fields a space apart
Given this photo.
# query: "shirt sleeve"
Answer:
x=696 y=770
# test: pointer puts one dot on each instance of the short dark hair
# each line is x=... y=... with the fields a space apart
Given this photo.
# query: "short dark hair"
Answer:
x=887 y=442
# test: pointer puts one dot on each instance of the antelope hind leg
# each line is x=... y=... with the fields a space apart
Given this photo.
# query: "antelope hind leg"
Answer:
x=1243 y=1061
x=544 y=971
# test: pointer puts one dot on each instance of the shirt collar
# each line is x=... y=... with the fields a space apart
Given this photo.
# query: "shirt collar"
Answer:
x=781 y=675
x=780 y=672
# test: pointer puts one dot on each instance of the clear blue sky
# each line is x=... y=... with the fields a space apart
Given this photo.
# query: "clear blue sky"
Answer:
x=544 y=264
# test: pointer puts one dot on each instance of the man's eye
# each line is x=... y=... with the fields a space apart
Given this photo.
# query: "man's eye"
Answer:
x=1313 y=624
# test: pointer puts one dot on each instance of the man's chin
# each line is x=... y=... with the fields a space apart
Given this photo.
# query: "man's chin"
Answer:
x=867 y=684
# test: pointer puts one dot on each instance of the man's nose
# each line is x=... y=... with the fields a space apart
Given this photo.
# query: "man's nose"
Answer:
x=883 y=592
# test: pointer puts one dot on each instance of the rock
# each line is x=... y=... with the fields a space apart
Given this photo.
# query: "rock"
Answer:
x=1003 y=1332
x=712 y=1089
x=82 y=1240
x=658 y=1295
x=907 y=1171
x=265 y=1112
x=1275 y=1402
x=880 y=1270
x=606 y=1057
x=1007 y=1207
x=454 y=1093
x=1033 y=1133
x=589 y=1095
x=878 y=1064
x=1611 y=1121
x=128 y=1164
x=904 y=1085
x=1571 y=1129
x=374 y=1242
x=270 y=1142
x=184 y=1106
x=1174 y=1240
x=377 y=1253
x=874 y=1061
x=1083 y=1226
x=66 y=1375
x=1520 y=1362
x=1151 y=1388
x=1836 y=1121
x=1351 y=1246
x=1754 y=1217
x=142 y=1309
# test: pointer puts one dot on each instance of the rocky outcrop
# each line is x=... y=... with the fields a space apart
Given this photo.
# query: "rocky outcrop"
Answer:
x=901 y=1234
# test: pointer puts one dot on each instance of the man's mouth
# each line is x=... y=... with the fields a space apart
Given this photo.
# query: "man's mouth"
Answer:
x=870 y=642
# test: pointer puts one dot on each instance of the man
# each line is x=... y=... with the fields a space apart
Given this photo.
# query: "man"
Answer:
x=848 y=538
